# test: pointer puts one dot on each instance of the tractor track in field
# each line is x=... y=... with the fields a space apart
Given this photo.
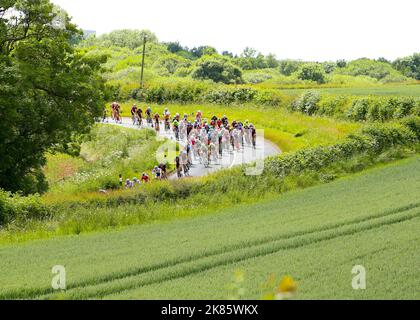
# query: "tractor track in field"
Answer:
x=241 y=251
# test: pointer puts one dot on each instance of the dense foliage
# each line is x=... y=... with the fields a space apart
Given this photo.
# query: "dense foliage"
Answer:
x=370 y=108
x=312 y=71
x=409 y=66
x=49 y=92
x=217 y=69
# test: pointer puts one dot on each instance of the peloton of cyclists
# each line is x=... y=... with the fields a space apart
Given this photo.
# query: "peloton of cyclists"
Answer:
x=204 y=140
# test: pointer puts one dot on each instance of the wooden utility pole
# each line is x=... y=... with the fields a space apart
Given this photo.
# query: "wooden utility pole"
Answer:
x=142 y=64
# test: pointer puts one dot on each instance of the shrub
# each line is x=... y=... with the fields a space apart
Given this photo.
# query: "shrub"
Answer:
x=372 y=140
x=229 y=95
x=16 y=207
x=269 y=97
x=382 y=109
x=332 y=105
x=307 y=102
x=358 y=110
x=413 y=123
x=218 y=69
x=312 y=72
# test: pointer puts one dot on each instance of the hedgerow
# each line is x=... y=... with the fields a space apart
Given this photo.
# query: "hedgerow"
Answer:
x=200 y=92
x=17 y=207
x=372 y=140
x=375 y=109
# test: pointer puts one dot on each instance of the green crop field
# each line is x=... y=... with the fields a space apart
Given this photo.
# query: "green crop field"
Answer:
x=315 y=235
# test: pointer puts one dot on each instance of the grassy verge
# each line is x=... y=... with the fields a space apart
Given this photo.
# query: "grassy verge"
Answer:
x=108 y=152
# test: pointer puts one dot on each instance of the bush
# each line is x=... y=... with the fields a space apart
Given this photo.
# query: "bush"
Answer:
x=16 y=207
x=307 y=102
x=312 y=72
x=382 y=109
x=413 y=123
x=218 y=69
x=332 y=105
x=229 y=95
x=270 y=97
x=372 y=140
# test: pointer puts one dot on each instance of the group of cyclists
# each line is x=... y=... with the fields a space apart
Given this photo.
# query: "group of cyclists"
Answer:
x=204 y=140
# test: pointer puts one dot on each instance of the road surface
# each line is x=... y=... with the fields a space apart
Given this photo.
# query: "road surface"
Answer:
x=248 y=154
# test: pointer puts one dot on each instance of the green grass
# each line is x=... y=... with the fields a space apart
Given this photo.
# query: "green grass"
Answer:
x=108 y=152
x=406 y=90
x=316 y=235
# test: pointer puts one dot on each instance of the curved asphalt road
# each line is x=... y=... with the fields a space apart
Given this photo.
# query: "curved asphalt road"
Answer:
x=265 y=148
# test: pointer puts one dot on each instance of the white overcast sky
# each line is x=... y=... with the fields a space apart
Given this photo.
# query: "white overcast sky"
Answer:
x=298 y=29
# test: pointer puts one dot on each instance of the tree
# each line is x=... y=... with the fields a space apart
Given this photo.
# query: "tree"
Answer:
x=287 y=67
x=271 y=61
x=249 y=52
x=128 y=38
x=329 y=66
x=49 y=92
x=174 y=47
x=409 y=66
x=218 y=69
x=202 y=51
x=312 y=71
x=170 y=63
x=227 y=54
x=341 y=63
x=384 y=60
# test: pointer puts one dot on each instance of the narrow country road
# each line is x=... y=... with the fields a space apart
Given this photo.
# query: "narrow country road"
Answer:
x=265 y=148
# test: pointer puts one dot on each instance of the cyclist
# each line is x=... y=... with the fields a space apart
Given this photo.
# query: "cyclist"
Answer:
x=253 y=135
x=163 y=169
x=156 y=119
x=166 y=118
x=140 y=116
x=178 y=167
x=118 y=111
x=113 y=110
x=149 y=116
x=198 y=116
x=175 y=125
x=134 y=114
